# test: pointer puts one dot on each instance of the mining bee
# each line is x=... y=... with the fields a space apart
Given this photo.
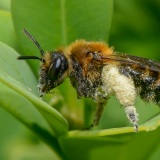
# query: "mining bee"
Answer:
x=97 y=71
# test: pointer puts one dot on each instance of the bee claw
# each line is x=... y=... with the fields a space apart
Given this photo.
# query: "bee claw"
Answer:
x=88 y=128
x=136 y=128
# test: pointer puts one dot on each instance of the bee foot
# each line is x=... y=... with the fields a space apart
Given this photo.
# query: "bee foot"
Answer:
x=88 y=128
x=132 y=116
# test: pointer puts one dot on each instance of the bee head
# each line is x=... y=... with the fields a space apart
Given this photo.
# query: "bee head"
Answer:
x=53 y=72
x=53 y=67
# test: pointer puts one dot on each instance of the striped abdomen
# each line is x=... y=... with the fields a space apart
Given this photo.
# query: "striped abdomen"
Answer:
x=146 y=80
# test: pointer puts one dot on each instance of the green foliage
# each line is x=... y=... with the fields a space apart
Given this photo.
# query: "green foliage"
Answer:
x=60 y=22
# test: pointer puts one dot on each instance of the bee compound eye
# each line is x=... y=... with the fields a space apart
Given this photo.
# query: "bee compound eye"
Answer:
x=57 y=68
x=54 y=70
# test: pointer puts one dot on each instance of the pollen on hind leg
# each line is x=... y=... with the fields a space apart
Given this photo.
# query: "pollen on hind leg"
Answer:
x=132 y=116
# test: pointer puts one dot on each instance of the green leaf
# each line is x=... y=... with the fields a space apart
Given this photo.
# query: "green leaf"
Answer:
x=60 y=22
x=7 y=31
x=5 y=4
x=99 y=144
x=14 y=77
x=103 y=144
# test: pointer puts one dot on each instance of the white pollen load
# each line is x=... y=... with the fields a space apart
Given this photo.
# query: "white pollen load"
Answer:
x=114 y=83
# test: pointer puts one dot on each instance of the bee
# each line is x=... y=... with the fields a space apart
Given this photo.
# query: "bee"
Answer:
x=97 y=71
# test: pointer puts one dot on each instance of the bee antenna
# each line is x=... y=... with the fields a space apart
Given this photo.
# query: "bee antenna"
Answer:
x=34 y=41
x=31 y=57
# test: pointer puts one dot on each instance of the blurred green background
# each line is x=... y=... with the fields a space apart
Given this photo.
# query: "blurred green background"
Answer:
x=135 y=30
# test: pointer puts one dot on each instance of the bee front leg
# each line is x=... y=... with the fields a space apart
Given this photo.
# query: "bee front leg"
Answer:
x=132 y=116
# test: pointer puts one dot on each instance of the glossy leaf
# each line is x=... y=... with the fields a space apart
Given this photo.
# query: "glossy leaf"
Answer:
x=103 y=144
x=56 y=23
x=5 y=4
x=7 y=31
x=14 y=78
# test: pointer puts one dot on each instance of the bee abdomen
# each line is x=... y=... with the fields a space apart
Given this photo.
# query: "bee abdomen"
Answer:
x=146 y=81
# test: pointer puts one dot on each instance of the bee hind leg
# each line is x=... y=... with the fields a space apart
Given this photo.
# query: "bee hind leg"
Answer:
x=132 y=116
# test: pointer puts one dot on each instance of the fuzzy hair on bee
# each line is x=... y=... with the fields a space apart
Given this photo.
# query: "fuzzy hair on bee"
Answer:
x=97 y=71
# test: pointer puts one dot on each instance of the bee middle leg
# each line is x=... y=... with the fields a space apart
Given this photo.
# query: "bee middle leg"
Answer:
x=98 y=114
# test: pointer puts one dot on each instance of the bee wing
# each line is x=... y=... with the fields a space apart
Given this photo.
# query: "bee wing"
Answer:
x=123 y=59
